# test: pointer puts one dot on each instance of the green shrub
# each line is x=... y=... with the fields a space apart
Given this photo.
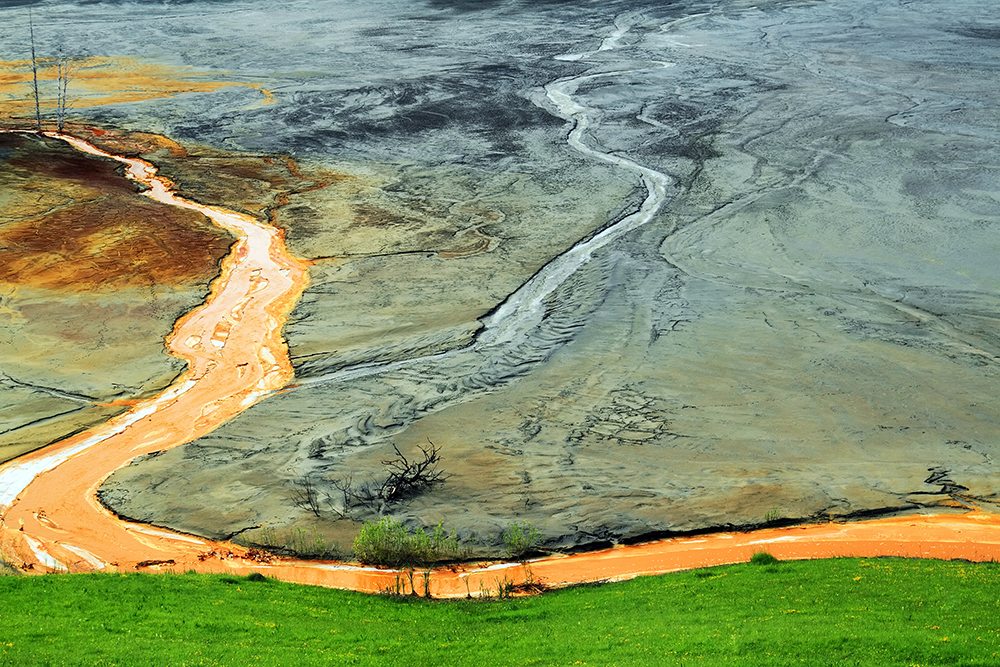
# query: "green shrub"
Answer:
x=388 y=542
x=385 y=542
x=520 y=539
x=763 y=558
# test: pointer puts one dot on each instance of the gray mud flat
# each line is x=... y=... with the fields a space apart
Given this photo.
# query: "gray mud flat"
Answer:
x=797 y=318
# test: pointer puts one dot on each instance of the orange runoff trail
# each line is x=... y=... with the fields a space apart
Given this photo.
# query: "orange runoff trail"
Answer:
x=51 y=520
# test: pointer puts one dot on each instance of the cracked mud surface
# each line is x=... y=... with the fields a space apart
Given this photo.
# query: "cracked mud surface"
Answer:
x=806 y=328
x=92 y=277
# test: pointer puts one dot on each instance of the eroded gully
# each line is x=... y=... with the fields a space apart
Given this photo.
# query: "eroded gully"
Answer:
x=51 y=521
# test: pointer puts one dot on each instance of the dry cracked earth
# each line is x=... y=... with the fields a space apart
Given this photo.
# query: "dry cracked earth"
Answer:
x=635 y=268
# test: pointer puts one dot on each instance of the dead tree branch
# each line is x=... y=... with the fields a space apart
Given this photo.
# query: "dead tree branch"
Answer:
x=409 y=478
x=307 y=495
x=404 y=479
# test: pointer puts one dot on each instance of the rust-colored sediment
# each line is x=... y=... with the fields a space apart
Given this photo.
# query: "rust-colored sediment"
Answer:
x=51 y=520
x=235 y=355
x=974 y=536
x=94 y=232
x=96 y=81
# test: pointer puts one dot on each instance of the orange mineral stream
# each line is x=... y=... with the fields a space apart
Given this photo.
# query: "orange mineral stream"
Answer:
x=51 y=521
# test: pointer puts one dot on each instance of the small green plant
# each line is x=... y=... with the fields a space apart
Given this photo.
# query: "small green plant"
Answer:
x=268 y=535
x=409 y=574
x=773 y=514
x=447 y=545
x=519 y=539
x=389 y=542
x=505 y=588
x=296 y=541
x=312 y=544
x=763 y=558
x=530 y=585
x=397 y=588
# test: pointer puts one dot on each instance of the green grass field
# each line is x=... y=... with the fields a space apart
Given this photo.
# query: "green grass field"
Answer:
x=834 y=612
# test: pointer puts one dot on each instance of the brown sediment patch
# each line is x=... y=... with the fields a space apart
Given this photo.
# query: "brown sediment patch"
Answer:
x=369 y=216
x=259 y=185
x=235 y=353
x=107 y=245
x=98 y=81
x=98 y=233
x=37 y=159
x=127 y=143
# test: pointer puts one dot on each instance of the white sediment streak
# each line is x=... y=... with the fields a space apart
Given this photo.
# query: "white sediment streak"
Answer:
x=90 y=558
x=524 y=309
x=43 y=556
x=16 y=476
x=164 y=534
x=496 y=567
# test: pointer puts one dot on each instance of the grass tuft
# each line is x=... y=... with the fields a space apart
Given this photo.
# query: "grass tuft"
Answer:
x=519 y=539
x=309 y=544
x=8 y=570
x=763 y=558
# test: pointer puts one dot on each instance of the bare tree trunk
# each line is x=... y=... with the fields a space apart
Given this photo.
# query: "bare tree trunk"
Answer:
x=34 y=71
x=62 y=83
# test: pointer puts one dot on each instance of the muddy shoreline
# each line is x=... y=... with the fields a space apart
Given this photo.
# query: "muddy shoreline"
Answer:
x=807 y=328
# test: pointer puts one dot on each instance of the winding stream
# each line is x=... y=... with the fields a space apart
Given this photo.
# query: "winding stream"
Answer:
x=525 y=309
x=235 y=355
x=50 y=520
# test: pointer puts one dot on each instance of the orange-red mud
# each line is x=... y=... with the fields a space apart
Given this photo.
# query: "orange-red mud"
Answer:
x=974 y=536
x=50 y=517
x=51 y=521
x=102 y=236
